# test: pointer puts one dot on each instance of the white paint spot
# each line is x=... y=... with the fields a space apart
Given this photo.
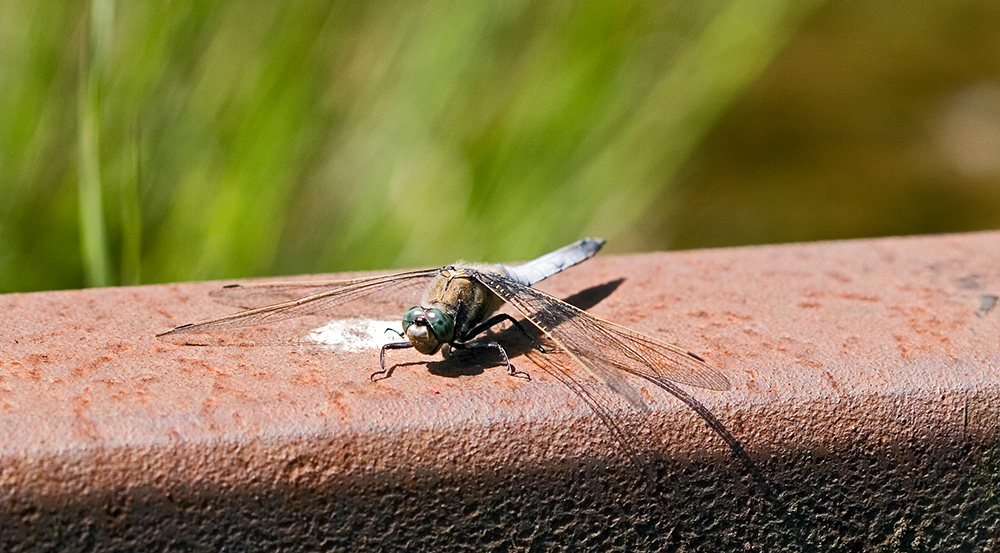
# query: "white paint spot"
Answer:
x=356 y=334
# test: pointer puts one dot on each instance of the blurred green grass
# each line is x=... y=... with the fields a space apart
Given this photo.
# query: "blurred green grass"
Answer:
x=152 y=142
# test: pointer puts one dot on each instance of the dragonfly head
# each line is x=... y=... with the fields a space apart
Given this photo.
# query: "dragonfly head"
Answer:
x=428 y=329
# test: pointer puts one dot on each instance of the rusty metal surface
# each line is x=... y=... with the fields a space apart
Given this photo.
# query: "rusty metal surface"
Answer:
x=865 y=386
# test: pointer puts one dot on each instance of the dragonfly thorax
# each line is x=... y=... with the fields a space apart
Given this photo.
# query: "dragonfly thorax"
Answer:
x=428 y=329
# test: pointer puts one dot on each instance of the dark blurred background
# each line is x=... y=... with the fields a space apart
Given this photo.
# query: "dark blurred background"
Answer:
x=151 y=141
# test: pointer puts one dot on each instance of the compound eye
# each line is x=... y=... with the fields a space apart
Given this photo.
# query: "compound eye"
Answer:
x=441 y=325
x=411 y=316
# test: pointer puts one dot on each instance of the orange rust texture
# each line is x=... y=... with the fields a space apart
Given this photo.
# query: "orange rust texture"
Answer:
x=865 y=387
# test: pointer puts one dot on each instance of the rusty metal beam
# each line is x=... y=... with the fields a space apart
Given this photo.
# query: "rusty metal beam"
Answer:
x=866 y=387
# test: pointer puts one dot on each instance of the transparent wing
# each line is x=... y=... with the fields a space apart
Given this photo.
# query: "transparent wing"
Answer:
x=250 y=296
x=607 y=350
x=603 y=347
x=602 y=404
x=320 y=302
x=600 y=399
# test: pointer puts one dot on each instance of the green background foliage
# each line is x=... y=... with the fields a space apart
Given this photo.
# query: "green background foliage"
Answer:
x=162 y=141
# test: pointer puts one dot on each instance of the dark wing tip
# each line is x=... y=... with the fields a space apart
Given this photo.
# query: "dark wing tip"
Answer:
x=713 y=380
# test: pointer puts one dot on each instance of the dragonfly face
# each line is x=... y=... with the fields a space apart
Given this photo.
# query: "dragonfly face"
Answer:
x=454 y=305
x=428 y=329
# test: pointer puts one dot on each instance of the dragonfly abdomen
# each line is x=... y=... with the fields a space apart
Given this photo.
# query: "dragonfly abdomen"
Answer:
x=549 y=264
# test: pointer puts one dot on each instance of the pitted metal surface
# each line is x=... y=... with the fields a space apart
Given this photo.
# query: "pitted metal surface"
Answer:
x=866 y=387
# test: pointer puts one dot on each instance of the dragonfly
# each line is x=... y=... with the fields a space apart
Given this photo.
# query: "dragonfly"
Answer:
x=460 y=307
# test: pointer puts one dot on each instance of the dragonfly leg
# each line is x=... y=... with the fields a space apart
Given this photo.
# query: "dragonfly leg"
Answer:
x=396 y=332
x=493 y=345
x=381 y=358
x=497 y=319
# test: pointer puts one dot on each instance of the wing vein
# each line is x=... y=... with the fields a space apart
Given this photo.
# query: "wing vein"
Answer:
x=308 y=305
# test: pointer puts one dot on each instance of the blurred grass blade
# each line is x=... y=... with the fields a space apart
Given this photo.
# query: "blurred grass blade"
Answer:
x=131 y=216
x=93 y=233
x=735 y=47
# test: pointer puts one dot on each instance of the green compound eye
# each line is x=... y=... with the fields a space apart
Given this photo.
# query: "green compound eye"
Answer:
x=412 y=315
x=441 y=324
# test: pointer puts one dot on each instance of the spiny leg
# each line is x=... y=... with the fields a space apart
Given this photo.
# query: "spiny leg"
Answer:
x=492 y=345
x=381 y=357
x=497 y=319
